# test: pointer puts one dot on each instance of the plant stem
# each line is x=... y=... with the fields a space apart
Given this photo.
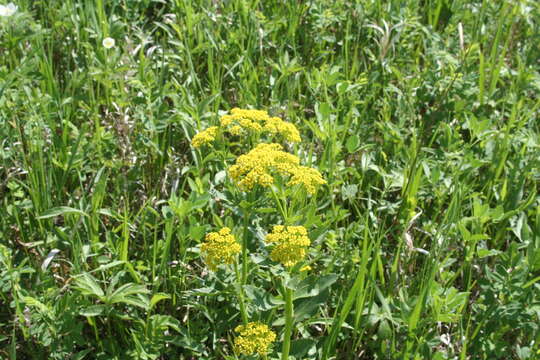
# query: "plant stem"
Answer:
x=240 y=294
x=289 y=321
x=280 y=206
x=244 y=247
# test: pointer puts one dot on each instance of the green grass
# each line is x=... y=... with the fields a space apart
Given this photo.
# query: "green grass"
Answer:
x=422 y=116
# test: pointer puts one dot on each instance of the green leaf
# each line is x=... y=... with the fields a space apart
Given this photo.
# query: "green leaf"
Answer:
x=324 y=110
x=108 y=265
x=82 y=354
x=266 y=210
x=94 y=310
x=352 y=143
x=163 y=322
x=384 y=331
x=349 y=191
x=308 y=307
x=157 y=298
x=88 y=285
x=312 y=285
x=482 y=253
x=139 y=301
x=197 y=232
x=126 y=290
x=262 y=300
x=61 y=210
x=301 y=347
x=30 y=301
x=203 y=291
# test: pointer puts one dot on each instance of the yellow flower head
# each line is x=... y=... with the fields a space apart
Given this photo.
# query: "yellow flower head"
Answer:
x=259 y=166
x=308 y=177
x=253 y=337
x=290 y=244
x=258 y=121
x=220 y=248
x=205 y=137
x=275 y=125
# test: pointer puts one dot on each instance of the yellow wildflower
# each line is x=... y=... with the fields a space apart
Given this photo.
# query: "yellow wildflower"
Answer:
x=220 y=248
x=258 y=121
x=205 y=137
x=308 y=177
x=275 y=125
x=235 y=130
x=259 y=166
x=254 y=337
x=290 y=244
x=226 y=120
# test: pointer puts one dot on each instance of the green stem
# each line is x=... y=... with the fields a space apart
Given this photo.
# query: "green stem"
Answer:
x=289 y=322
x=240 y=294
x=280 y=206
x=96 y=332
x=245 y=248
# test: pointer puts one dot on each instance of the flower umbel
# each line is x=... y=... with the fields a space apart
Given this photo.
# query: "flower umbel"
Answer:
x=290 y=243
x=258 y=121
x=220 y=248
x=205 y=137
x=308 y=177
x=260 y=165
x=253 y=337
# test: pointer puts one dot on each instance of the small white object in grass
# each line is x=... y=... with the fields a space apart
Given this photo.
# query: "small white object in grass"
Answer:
x=445 y=339
x=460 y=34
x=49 y=258
x=108 y=43
x=8 y=10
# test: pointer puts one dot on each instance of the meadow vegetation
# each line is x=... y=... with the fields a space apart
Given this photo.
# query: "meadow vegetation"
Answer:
x=252 y=179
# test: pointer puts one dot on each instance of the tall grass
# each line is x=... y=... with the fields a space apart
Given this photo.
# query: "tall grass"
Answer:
x=423 y=117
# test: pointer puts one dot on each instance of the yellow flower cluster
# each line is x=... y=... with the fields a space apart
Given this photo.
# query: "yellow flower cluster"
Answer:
x=259 y=165
x=308 y=177
x=205 y=137
x=258 y=121
x=220 y=248
x=290 y=244
x=242 y=120
x=254 y=337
